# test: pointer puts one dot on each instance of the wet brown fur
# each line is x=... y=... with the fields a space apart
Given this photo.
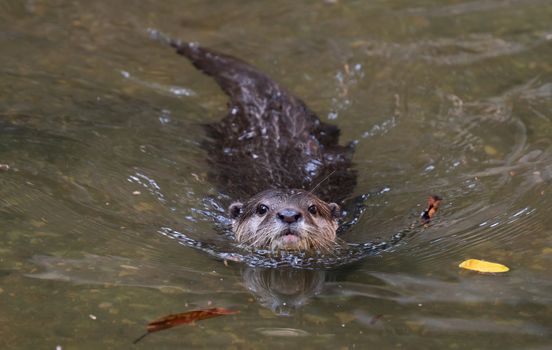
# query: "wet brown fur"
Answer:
x=272 y=149
x=315 y=231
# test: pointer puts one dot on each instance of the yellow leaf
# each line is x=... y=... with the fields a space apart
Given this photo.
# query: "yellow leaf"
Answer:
x=483 y=266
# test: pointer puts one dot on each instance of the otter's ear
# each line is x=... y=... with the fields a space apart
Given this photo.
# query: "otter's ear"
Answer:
x=235 y=209
x=336 y=210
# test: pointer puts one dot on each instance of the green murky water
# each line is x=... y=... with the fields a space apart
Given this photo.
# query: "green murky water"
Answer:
x=101 y=129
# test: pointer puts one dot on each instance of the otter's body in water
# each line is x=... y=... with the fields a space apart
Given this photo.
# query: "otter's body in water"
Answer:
x=272 y=152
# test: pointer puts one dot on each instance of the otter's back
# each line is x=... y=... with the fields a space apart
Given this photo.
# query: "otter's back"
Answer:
x=269 y=138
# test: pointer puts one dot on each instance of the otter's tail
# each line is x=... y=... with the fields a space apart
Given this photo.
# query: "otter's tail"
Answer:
x=251 y=89
x=242 y=82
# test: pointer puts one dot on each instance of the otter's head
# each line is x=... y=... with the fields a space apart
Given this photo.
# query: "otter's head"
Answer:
x=290 y=219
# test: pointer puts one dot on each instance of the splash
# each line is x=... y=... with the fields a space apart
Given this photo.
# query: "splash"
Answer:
x=346 y=254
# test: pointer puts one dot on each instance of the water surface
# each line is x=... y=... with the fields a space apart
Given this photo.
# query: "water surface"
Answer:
x=101 y=129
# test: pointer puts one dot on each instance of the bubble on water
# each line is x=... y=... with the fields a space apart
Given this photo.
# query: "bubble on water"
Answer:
x=282 y=332
x=178 y=91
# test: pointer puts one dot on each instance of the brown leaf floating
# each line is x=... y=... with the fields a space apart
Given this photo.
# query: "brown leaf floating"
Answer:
x=189 y=317
x=433 y=203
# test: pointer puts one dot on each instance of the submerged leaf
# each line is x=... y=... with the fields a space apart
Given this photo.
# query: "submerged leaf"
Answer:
x=483 y=266
x=186 y=318
x=189 y=317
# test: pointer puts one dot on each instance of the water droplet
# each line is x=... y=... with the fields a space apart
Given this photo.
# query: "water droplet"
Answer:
x=429 y=168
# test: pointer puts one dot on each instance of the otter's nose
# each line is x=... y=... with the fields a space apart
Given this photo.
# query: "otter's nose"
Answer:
x=289 y=216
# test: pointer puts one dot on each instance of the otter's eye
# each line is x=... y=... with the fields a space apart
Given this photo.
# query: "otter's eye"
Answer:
x=262 y=209
x=313 y=210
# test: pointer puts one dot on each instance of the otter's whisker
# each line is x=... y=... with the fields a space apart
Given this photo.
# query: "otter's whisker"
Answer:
x=321 y=182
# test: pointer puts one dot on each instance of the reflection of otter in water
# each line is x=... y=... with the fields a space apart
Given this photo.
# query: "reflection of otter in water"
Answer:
x=284 y=290
x=271 y=150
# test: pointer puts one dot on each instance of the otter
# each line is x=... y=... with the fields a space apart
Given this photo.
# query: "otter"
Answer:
x=286 y=219
x=276 y=156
